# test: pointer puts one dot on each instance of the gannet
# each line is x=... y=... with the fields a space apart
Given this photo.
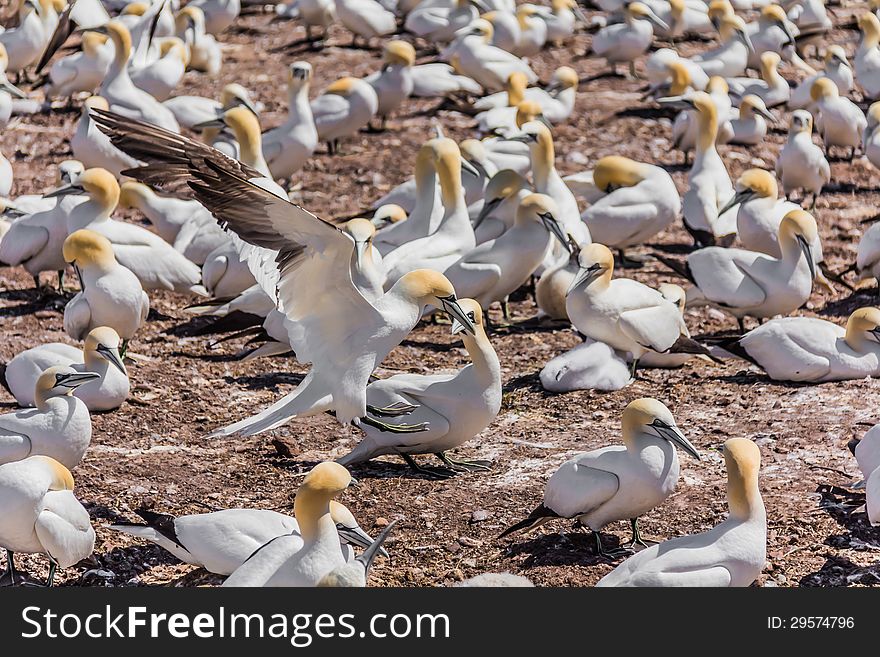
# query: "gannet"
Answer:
x=636 y=202
x=453 y=236
x=91 y=147
x=155 y=262
x=355 y=573
x=225 y=274
x=345 y=107
x=867 y=453
x=111 y=294
x=590 y=365
x=452 y=408
x=488 y=65
x=709 y=186
x=813 y=350
x=60 y=425
x=837 y=68
x=304 y=559
x=620 y=482
x=120 y=92
x=504 y=192
x=561 y=18
x=733 y=553
x=393 y=83
x=801 y=164
x=419 y=196
x=41 y=515
x=497 y=268
x=438 y=22
x=367 y=19
x=221 y=541
x=505 y=30
x=342 y=360
x=731 y=57
x=219 y=14
x=665 y=69
x=749 y=283
x=552 y=288
x=686 y=127
x=479 y=168
x=774 y=32
x=205 y=53
x=161 y=77
x=24 y=43
x=532 y=30
x=100 y=355
x=838 y=119
x=316 y=13
x=867 y=58
x=772 y=88
x=683 y=17
x=245 y=127
x=191 y=110
x=625 y=42
x=624 y=314
x=388 y=215
x=556 y=101
x=749 y=126
x=81 y=71
x=440 y=79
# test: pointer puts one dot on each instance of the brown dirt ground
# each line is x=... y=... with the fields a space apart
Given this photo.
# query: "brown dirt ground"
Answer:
x=153 y=450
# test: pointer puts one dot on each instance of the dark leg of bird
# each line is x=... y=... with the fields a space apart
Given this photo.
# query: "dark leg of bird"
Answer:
x=60 y=281
x=123 y=348
x=382 y=121
x=628 y=263
x=635 y=366
x=505 y=310
x=813 y=204
x=51 y=579
x=36 y=281
x=438 y=473
x=632 y=70
x=532 y=286
x=8 y=576
x=463 y=464
x=394 y=428
x=742 y=324
x=637 y=536
x=394 y=410
x=600 y=551
x=330 y=148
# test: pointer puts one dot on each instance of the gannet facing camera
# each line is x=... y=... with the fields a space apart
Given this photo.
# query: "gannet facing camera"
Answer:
x=620 y=482
x=111 y=294
x=100 y=354
x=41 y=515
x=393 y=83
x=289 y=146
x=731 y=554
x=345 y=107
x=838 y=119
x=801 y=164
x=304 y=560
x=813 y=350
x=638 y=201
x=625 y=42
x=624 y=314
x=60 y=425
x=443 y=410
x=221 y=541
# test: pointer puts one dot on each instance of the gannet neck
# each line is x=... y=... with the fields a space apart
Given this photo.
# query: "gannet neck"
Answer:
x=707 y=122
x=857 y=326
x=543 y=158
x=135 y=195
x=312 y=511
x=482 y=355
x=870 y=26
x=743 y=461
x=516 y=89
x=449 y=173
x=121 y=48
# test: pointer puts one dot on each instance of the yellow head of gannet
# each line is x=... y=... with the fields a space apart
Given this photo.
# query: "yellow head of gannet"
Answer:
x=177 y=47
x=751 y=103
x=61 y=477
x=190 y=15
x=399 y=53
x=753 y=183
x=732 y=26
x=85 y=248
x=743 y=461
x=482 y=28
x=873 y=115
x=595 y=263
x=649 y=416
x=323 y=483
x=59 y=5
x=540 y=140
x=674 y=293
x=540 y=207
x=121 y=38
x=447 y=163
x=130 y=193
x=823 y=88
x=565 y=77
x=91 y=42
x=707 y=117
x=431 y=288
x=99 y=184
x=245 y=127
x=869 y=24
x=523 y=13
x=474 y=313
x=798 y=230
x=769 y=66
x=341 y=87
x=680 y=78
x=390 y=213
x=863 y=325
x=717 y=10
x=103 y=342
x=641 y=11
x=835 y=53
x=362 y=232
x=58 y=381
x=135 y=9
x=717 y=85
x=504 y=184
x=615 y=171
x=516 y=88
x=526 y=111
x=97 y=102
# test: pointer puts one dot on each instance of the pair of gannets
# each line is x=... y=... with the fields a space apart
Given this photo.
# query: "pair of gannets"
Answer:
x=205 y=52
x=91 y=146
x=345 y=107
x=731 y=58
x=289 y=146
x=620 y=482
x=221 y=541
x=733 y=553
x=624 y=314
x=747 y=283
x=867 y=58
x=25 y=43
x=838 y=119
x=330 y=323
x=41 y=515
x=801 y=164
x=625 y=42
x=59 y=426
x=837 y=69
x=443 y=410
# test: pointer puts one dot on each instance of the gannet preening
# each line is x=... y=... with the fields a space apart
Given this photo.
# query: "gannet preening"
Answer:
x=503 y=194
x=837 y=69
x=486 y=64
x=345 y=107
x=355 y=573
x=637 y=201
x=393 y=83
x=452 y=408
x=838 y=119
x=625 y=42
x=24 y=43
x=183 y=223
x=289 y=146
x=813 y=350
x=624 y=314
x=191 y=110
x=121 y=93
x=590 y=365
x=59 y=426
x=733 y=553
x=342 y=360
x=81 y=71
x=867 y=58
x=620 y=482
x=731 y=57
x=111 y=294
x=41 y=515
x=91 y=146
x=225 y=274
x=497 y=268
x=801 y=164
x=161 y=77
x=305 y=559
x=100 y=355
x=155 y=262
x=746 y=283
x=749 y=123
x=221 y=541
x=205 y=52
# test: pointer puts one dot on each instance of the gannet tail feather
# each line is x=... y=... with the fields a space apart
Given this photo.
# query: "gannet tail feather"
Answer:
x=682 y=268
x=538 y=517
x=686 y=345
x=733 y=346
